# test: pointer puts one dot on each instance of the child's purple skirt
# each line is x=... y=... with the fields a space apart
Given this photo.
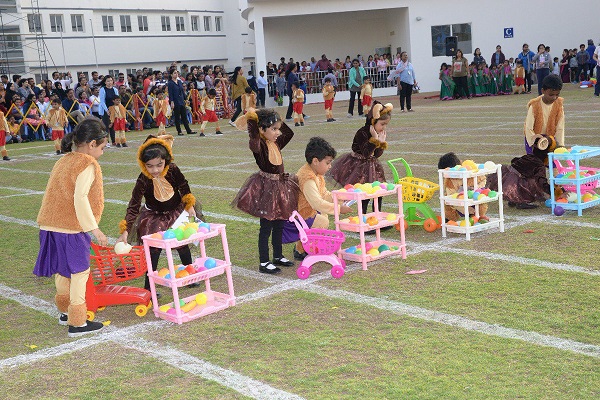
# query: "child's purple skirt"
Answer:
x=62 y=253
x=290 y=232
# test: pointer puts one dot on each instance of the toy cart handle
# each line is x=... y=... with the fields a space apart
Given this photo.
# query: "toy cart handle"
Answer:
x=395 y=172
x=297 y=219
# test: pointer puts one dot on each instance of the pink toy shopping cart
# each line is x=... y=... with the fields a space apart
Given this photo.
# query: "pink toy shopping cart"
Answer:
x=570 y=169
x=320 y=245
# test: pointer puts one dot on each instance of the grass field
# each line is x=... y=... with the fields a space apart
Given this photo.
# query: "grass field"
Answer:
x=505 y=315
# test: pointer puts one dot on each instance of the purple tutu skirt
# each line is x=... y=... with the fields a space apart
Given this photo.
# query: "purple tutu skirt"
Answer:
x=62 y=253
x=269 y=196
x=518 y=189
x=353 y=168
x=290 y=232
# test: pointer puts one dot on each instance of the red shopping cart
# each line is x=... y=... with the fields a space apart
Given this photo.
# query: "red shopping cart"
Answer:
x=108 y=268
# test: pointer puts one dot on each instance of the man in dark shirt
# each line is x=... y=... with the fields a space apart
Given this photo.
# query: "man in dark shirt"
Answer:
x=71 y=106
x=177 y=98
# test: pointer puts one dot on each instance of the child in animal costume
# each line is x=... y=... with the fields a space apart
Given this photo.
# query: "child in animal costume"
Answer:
x=362 y=164
x=328 y=96
x=4 y=129
x=161 y=107
x=546 y=115
x=519 y=78
x=455 y=185
x=57 y=121
x=315 y=202
x=166 y=193
x=72 y=206
x=366 y=95
x=118 y=119
x=298 y=106
x=270 y=194
x=207 y=108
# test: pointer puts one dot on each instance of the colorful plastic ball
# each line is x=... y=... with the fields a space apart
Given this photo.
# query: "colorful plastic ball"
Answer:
x=210 y=263
x=373 y=252
x=383 y=248
x=558 y=211
x=182 y=274
x=548 y=203
x=178 y=233
x=358 y=252
x=188 y=232
x=351 y=250
x=190 y=269
x=157 y=235
x=368 y=246
x=348 y=186
x=394 y=248
x=163 y=272
x=390 y=186
x=201 y=268
x=167 y=276
x=489 y=165
x=376 y=183
x=350 y=190
x=180 y=267
x=202 y=230
x=341 y=190
x=476 y=195
x=164 y=308
x=169 y=234
x=204 y=225
x=172 y=311
x=391 y=217
x=492 y=193
x=201 y=299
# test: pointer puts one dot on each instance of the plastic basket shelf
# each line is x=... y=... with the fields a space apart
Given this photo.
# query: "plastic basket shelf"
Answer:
x=107 y=267
x=493 y=223
x=215 y=230
x=468 y=174
x=369 y=257
x=470 y=202
x=192 y=278
x=587 y=153
x=383 y=222
x=216 y=301
x=345 y=195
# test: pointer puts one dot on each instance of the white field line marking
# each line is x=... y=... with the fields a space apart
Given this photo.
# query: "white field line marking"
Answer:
x=186 y=362
x=460 y=322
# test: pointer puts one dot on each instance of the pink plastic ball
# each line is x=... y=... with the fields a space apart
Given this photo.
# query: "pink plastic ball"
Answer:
x=368 y=246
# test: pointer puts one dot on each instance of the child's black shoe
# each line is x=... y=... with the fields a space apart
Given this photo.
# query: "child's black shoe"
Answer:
x=202 y=134
x=124 y=145
x=6 y=158
x=268 y=268
x=284 y=262
x=89 y=327
x=218 y=133
x=296 y=124
x=62 y=319
x=299 y=256
x=301 y=123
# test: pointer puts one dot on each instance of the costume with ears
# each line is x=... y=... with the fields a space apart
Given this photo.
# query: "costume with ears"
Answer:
x=362 y=165
x=166 y=197
x=270 y=193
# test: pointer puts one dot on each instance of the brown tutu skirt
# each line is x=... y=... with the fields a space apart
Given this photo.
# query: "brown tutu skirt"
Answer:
x=518 y=189
x=353 y=168
x=270 y=196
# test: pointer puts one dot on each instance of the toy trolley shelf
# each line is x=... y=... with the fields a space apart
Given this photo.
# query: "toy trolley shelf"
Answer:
x=362 y=227
x=467 y=175
x=215 y=301
x=579 y=184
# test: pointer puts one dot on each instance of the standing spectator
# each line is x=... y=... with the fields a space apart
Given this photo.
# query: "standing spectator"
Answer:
x=238 y=87
x=564 y=67
x=95 y=81
x=406 y=78
x=477 y=58
x=460 y=74
x=323 y=64
x=356 y=77
x=252 y=81
x=331 y=76
x=497 y=57
x=573 y=64
x=381 y=72
x=591 y=49
x=313 y=64
x=107 y=93
x=543 y=62
x=583 y=59
x=526 y=57
x=177 y=98
x=291 y=78
x=597 y=59
x=280 y=85
x=262 y=84
x=64 y=82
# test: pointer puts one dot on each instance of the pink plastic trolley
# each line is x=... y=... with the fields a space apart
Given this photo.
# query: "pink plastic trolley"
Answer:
x=570 y=167
x=320 y=245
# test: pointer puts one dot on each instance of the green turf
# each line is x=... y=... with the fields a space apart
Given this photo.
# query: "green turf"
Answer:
x=320 y=347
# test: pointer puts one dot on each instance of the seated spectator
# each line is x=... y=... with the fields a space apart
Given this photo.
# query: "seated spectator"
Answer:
x=71 y=106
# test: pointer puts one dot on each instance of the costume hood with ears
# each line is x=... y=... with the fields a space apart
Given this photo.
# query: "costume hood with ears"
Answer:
x=377 y=111
x=163 y=140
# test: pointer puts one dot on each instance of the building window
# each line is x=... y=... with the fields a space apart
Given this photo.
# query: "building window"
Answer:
x=107 y=23
x=114 y=73
x=77 y=22
x=439 y=34
x=179 y=24
x=165 y=21
x=56 y=23
x=125 y=23
x=143 y=23
x=207 y=27
x=195 y=19
x=131 y=71
x=13 y=42
x=218 y=24
x=35 y=22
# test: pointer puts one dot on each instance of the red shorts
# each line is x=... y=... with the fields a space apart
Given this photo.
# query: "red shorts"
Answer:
x=367 y=100
x=161 y=119
x=2 y=138
x=57 y=134
x=519 y=81
x=210 y=116
x=298 y=107
x=119 y=124
x=329 y=104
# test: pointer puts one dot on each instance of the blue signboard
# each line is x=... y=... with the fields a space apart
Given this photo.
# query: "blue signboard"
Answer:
x=508 y=33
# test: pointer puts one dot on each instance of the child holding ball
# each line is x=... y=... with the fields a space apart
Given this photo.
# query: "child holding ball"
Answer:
x=270 y=194
x=72 y=206
x=166 y=194
x=363 y=165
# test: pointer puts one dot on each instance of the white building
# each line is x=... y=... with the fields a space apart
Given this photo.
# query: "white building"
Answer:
x=110 y=35
x=302 y=29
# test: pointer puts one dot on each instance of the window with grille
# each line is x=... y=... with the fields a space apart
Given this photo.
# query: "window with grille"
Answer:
x=125 y=23
x=107 y=23
x=143 y=23
x=179 y=24
x=77 y=22
x=165 y=21
x=34 y=22
x=56 y=23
